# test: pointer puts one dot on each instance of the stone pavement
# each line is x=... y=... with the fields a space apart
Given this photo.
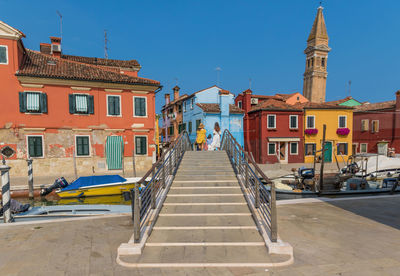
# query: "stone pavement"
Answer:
x=349 y=237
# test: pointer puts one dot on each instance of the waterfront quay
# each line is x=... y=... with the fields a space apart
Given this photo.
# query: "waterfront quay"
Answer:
x=358 y=236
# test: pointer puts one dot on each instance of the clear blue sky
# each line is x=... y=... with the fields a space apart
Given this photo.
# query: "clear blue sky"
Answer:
x=261 y=40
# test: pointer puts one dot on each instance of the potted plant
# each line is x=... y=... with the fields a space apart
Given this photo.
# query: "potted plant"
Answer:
x=311 y=131
x=343 y=131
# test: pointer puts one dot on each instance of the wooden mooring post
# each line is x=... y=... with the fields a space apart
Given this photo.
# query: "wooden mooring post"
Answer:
x=321 y=174
x=5 y=192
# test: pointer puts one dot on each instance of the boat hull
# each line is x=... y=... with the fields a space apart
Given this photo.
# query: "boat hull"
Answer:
x=101 y=190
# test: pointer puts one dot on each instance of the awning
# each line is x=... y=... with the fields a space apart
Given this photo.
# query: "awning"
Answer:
x=283 y=139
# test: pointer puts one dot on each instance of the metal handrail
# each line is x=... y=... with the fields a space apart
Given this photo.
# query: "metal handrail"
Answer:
x=144 y=200
x=264 y=200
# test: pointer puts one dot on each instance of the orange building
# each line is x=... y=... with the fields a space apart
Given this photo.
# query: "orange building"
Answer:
x=66 y=111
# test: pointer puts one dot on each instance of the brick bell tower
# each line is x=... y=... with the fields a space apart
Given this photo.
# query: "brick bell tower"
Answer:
x=314 y=85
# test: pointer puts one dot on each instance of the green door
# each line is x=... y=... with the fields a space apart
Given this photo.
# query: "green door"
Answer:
x=114 y=150
x=328 y=152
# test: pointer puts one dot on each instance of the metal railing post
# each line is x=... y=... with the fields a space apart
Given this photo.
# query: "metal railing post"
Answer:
x=153 y=189
x=274 y=223
x=257 y=191
x=136 y=215
x=240 y=162
x=246 y=183
x=170 y=162
x=164 y=174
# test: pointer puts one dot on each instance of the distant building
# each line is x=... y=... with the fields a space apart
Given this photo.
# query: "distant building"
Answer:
x=58 y=108
x=314 y=86
x=377 y=127
x=209 y=106
x=348 y=101
x=172 y=113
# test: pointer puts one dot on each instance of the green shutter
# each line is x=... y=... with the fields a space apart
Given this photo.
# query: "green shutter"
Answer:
x=190 y=127
x=71 y=98
x=43 y=102
x=91 y=104
x=140 y=145
x=35 y=146
x=140 y=107
x=22 y=102
x=111 y=110
x=114 y=149
x=116 y=106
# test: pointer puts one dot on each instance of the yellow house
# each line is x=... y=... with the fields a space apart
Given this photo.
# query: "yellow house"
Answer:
x=339 y=128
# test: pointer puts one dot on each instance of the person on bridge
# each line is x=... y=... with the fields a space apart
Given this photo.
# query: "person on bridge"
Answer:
x=201 y=138
x=216 y=141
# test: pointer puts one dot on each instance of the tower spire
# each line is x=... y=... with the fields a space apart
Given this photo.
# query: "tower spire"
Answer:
x=314 y=86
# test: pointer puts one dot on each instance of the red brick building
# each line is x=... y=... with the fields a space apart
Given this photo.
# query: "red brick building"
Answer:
x=62 y=109
x=273 y=126
x=377 y=127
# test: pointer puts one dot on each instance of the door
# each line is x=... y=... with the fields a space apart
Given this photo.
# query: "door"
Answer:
x=354 y=149
x=114 y=152
x=383 y=148
x=328 y=152
x=283 y=152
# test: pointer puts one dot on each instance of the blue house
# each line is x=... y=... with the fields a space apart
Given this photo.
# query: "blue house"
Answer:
x=212 y=105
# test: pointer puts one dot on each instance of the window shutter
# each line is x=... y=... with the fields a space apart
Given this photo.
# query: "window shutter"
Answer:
x=338 y=149
x=345 y=149
x=43 y=102
x=22 y=102
x=143 y=107
x=116 y=105
x=71 y=103
x=91 y=104
x=111 y=110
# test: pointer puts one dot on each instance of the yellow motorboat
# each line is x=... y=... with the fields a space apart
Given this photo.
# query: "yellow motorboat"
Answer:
x=98 y=185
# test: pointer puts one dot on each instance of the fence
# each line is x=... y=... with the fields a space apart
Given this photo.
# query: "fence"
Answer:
x=264 y=200
x=144 y=200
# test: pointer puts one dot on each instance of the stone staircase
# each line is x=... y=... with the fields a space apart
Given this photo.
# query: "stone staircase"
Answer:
x=205 y=220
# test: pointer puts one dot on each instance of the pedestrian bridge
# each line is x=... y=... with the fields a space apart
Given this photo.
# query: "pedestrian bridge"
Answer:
x=205 y=209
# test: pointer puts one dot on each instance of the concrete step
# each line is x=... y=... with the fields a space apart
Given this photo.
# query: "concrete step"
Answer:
x=202 y=173
x=205 y=199
x=205 y=167
x=197 y=209
x=205 y=221
x=204 y=184
x=205 y=235
x=208 y=163
x=205 y=153
x=208 y=190
x=205 y=177
x=205 y=254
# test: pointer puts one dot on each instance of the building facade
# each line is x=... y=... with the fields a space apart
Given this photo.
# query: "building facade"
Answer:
x=315 y=75
x=209 y=106
x=339 y=126
x=68 y=111
x=377 y=127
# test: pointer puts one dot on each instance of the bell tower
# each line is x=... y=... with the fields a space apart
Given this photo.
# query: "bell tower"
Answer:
x=314 y=85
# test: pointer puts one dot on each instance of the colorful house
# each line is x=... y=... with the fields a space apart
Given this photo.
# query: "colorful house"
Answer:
x=377 y=127
x=65 y=111
x=339 y=125
x=348 y=101
x=209 y=106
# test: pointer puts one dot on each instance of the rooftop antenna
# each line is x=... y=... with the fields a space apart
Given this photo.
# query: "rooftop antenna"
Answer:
x=250 y=83
x=350 y=88
x=60 y=15
x=176 y=81
x=218 y=69
x=105 y=45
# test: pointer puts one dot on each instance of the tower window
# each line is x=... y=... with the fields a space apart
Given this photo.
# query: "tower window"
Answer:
x=312 y=61
x=308 y=63
x=323 y=62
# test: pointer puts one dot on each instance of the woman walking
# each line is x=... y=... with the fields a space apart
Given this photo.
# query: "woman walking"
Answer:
x=201 y=137
x=216 y=141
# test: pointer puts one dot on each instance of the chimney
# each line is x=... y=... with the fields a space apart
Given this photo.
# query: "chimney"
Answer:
x=176 y=92
x=398 y=100
x=55 y=46
x=45 y=48
x=167 y=99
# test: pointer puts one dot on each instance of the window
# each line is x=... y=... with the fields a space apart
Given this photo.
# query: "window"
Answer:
x=342 y=149
x=82 y=146
x=240 y=104
x=198 y=122
x=323 y=62
x=81 y=104
x=310 y=149
x=192 y=104
x=140 y=145
x=375 y=126
x=32 y=102
x=271 y=149
x=294 y=148
x=342 y=121
x=190 y=127
x=308 y=63
x=113 y=105
x=184 y=106
x=3 y=54
x=310 y=121
x=363 y=148
x=365 y=125
x=312 y=61
x=35 y=146
x=181 y=127
x=140 y=106
x=271 y=121
x=179 y=108
x=171 y=130
x=293 y=121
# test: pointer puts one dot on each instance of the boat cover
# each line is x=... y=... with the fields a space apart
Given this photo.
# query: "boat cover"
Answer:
x=85 y=181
